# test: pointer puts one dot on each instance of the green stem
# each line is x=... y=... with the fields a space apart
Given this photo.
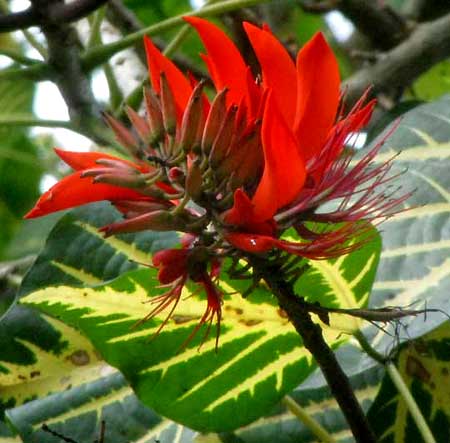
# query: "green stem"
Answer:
x=99 y=55
x=18 y=57
x=37 y=72
x=400 y=385
x=36 y=45
x=29 y=121
x=115 y=94
x=410 y=403
x=368 y=349
x=94 y=36
x=176 y=41
x=307 y=420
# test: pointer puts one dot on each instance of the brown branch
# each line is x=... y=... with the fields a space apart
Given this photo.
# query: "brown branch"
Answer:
x=311 y=334
x=39 y=14
x=398 y=68
x=69 y=12
x=64 y=61
x=377 y=21
x=18 y=20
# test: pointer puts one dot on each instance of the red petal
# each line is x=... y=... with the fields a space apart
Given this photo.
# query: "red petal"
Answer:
x=317 y=94
x=224 y=61
x=87 y=160
x=242 y=211
x=179 y=84
x=284 y=168
x=74 y=191
x=251 y=242
x=278 y=69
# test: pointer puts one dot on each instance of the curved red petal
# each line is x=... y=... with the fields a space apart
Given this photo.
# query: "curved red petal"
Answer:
x=318 y=84
x=158 y=63
x=86 y=160
x=284 y=168
x=242 y=211
x=278 y=69
x=250 y=242
x=74 y=191
x=224 y=61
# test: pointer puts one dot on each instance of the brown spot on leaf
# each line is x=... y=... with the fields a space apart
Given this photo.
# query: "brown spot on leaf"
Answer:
x=250 y=322
x=21 y=377
x=444 y=372
x=415 y=368
x=180 y=319
x=282 y=313
x=238 y=311
x=79 y=358
x=34 y=374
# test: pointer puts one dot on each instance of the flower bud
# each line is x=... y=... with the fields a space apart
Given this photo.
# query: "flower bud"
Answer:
x=176 y=175
x=119 y=178
x=139 y=123
x=192 y=118
x=133 y=208
x=194 y=181
x=223 y=139
x=123 y=135
x=156 y=221
x=168 y=106
x=214 y=121
x=154 y=116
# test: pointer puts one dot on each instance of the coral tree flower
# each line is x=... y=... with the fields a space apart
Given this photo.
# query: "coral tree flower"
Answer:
x=264 y=155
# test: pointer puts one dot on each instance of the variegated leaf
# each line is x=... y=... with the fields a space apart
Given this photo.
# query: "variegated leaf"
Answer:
x=425 y=367
x=282 y=426
x=414 y=269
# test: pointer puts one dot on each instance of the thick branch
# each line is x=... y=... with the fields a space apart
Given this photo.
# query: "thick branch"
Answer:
x=66 y=71
x=399 y=67
x=313 y=340
x=57 y=14
x=376 y=20
x=18 y=20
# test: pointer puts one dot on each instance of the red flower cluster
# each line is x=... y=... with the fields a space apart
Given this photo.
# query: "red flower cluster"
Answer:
x=261 y=157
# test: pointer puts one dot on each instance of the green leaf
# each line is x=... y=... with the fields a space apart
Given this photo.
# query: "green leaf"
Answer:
x=260 y=357
x=20 y=170
x=344 y=282
x=434 y=83
x=281 y=426
x=424 y=366
x=77 y=413
x=414 y=268
x=76 y=253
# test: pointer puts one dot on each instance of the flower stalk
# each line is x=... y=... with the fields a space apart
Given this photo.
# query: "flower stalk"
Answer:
x=311 y=334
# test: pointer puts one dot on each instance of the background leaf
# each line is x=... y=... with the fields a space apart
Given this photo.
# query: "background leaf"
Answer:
x=424 y=366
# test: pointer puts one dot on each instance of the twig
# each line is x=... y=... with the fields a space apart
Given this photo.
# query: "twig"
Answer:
x=313 y=340
x=98 y=56
x=57 y=434
x=10 y=267
x=319 y=431
x=377 y=21
x=399 y=67
x=60 y=13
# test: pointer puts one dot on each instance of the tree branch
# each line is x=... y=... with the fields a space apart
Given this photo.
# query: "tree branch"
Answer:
x=311 y=334
x=377 y=21
x=399 y=67
x=64 y=61
x=38 y=15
